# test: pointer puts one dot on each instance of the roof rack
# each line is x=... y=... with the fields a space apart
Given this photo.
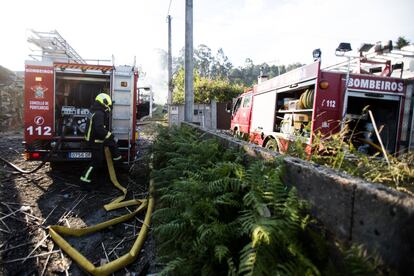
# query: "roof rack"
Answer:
x=53 y=47
x=379 y=61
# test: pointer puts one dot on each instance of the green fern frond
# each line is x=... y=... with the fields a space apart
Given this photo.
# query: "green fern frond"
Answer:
x=232 y=270
x=286 y=268
x=216 y=186
x=247 y=220
x=165 y=214
x=173 y=266
x=253 y=199
x=359 y=262
x=303 y=262
x=260 y=235
x=220 y=252
x=227 y=199
x=247 y=260
x=170 y=229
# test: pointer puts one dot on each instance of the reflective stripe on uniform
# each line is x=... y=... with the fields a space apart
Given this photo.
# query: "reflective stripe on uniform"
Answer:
x=108 y=135
x=88 y=135
x=85 y=177
x=98 y=141
x=117 y=158
x=85 y=180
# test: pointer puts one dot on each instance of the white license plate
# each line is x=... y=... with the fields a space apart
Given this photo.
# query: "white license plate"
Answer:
x=79 y=155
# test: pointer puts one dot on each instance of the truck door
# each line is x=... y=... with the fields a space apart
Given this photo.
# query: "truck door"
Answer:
x=123 y=89
x=241 y=113
x=245 y=112
x=235 y=115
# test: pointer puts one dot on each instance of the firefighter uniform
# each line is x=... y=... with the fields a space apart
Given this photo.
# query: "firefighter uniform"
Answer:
x=99 y=136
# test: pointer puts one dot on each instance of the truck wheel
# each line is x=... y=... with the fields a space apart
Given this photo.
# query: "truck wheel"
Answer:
x=236 y=133
x=272 y=145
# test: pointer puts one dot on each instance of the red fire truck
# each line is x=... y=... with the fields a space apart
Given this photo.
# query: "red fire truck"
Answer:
x=308 y=100
x=59 y=91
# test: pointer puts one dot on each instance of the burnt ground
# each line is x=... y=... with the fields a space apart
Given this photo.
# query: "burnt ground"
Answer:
x=29 y=203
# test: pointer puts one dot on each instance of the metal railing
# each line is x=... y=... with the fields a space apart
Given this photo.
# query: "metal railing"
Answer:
x=53 y=46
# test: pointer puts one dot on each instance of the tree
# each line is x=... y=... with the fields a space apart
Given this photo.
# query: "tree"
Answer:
x=203 y=60
x=402 y=41
x=247 y=75
x=221 y=66
x=218 y=67
x=205 y=89
x=207 y=65
x=292 y=66
x=178 y=62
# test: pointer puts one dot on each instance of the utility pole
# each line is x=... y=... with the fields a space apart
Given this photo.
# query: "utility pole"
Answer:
x=169 y=101
x=188 y=66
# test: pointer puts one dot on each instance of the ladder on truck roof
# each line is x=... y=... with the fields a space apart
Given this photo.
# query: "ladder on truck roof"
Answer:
x=123 y=89
x=398 y=62
x=53 y=47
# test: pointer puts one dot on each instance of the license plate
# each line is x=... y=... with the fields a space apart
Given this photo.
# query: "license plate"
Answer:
x=79 y=155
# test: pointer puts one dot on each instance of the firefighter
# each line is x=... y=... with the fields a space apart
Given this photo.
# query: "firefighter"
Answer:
x=98 y=136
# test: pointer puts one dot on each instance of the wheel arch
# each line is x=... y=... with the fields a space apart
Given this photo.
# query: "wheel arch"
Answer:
x=268 y=138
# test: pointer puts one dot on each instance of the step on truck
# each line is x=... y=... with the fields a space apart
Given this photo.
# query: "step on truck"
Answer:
x=309 y=100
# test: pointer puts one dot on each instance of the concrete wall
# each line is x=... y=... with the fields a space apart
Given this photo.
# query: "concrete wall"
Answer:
x=380 y=218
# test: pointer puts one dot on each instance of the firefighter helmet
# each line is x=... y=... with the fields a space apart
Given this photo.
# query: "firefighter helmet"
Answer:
x=105 y=100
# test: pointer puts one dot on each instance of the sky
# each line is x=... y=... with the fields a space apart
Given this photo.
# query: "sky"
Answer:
x=272 y=31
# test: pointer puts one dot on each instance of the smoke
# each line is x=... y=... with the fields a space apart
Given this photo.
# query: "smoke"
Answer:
x=153 y=73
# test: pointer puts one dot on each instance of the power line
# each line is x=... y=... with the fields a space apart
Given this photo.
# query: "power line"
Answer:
x=169 y=6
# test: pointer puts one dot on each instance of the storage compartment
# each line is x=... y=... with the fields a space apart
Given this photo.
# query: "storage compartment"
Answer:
x=75 y=93
x=293 y=105
x=286 y=125
x=301 y=117
x=286 y=103
x=386 y=110
x=299 y=104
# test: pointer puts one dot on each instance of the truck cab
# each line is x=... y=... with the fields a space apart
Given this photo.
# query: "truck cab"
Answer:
x=241 y=113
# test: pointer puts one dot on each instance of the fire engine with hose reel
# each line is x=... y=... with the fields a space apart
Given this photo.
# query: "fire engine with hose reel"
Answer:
x=60 y=87
x=310 y=100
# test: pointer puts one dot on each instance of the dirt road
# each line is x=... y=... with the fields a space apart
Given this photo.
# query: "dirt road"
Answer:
x=30 y=203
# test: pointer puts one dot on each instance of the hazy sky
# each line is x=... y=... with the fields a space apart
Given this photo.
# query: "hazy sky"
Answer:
x=273 y=31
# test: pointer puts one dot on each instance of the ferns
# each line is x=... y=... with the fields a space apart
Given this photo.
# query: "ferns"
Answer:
x=359 y=262
x=216 y=216
x=173 y=266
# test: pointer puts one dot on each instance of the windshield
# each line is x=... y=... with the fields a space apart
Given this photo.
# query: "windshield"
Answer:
x=237 y=105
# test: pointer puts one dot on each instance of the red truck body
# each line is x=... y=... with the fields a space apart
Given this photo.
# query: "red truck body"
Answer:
x=56 y=104
x=308 y=100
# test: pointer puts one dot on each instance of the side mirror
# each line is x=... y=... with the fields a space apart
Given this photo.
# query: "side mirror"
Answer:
x=229 y=107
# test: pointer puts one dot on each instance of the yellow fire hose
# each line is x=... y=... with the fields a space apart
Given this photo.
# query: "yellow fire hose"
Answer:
x=56 y=230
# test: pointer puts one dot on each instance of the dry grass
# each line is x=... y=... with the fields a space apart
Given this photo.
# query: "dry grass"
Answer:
x=338 y=152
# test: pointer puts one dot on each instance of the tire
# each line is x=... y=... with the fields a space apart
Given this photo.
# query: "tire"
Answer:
x=236 y=133
x=272 y=145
